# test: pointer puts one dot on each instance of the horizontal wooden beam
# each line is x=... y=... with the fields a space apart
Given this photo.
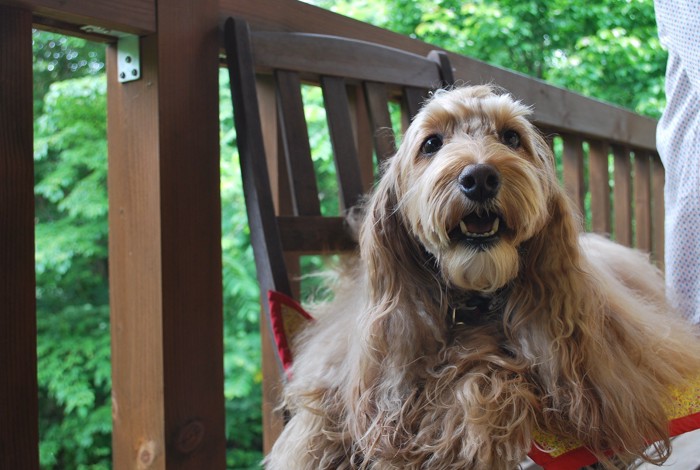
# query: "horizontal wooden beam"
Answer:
x=556 y=108
x=127 y=16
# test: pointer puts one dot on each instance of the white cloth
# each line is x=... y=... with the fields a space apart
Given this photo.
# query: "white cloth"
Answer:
x=678 y=142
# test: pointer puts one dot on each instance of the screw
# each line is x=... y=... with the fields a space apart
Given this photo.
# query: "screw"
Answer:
x=122 y=75
x=134 y=72
x=127 y=59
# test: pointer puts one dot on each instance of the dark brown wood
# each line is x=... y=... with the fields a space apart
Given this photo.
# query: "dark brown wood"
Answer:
x=133 y=16
x=362 y=131
x=272 y=273
x=446 y=70
x=622 y=196
x=377 y=99
x=599 y=184
x=313 y=235
x=165 y=248
x=19 y=431
x=573 y=170
x=295 y=138
x=642 y=201
x=351 y=59
x=339 y=119
x=658 y=180
x=413 y=99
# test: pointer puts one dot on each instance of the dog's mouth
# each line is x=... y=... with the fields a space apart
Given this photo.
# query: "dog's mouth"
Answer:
x=479 y=230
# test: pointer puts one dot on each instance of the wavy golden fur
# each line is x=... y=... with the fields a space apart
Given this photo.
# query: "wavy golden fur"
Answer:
x=583 y=346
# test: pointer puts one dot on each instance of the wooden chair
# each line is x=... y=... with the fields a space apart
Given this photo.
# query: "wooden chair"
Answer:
x=359 y=80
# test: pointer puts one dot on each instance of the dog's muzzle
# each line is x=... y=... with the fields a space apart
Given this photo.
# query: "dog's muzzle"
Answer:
x=481 y=227
x=480 y=182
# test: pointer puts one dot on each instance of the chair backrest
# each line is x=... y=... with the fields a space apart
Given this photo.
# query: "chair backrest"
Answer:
x=358 y=80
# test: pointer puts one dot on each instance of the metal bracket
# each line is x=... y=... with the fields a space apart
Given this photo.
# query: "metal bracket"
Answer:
x=128 y=59
x=128 y=52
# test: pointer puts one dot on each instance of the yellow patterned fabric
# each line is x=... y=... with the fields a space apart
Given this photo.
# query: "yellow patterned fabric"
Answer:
x=556 y=453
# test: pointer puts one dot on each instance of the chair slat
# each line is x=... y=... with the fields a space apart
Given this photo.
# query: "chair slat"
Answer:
x=295 y=137
x=622 y=196
x=269 y=260
x=413 y=100
x=377 y=98
x=344 y=149
x=315 y=234
x=599 y=186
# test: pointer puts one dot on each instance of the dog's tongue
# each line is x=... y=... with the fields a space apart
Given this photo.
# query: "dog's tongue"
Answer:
x=479 y=226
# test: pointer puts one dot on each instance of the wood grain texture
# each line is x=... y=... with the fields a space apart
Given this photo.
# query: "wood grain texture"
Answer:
x=132 y=16
x=622 y=196
x=19 y=433
x=136 y=287
x=295 y=139
x=338 y=115
x=165 y=248
x=342 y=57
x=599 y=184
x=573 y=170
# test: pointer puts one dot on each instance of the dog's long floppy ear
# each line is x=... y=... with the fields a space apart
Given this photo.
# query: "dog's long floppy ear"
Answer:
x=394 y=258
x=399 y=272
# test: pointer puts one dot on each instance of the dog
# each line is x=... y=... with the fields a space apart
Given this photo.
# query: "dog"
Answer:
x=477 y=310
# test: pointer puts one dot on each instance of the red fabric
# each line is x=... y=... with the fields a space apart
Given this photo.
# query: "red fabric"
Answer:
x=580 y=457
x=281 y=307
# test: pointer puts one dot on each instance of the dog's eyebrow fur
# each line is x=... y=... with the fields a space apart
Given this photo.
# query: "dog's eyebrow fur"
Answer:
x=472 y=114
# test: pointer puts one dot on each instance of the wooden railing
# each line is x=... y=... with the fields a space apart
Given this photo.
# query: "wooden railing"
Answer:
x=164 y=222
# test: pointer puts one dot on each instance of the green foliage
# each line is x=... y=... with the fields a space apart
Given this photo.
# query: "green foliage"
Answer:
x=242 y=357
x=605 y=49
x=71 y=256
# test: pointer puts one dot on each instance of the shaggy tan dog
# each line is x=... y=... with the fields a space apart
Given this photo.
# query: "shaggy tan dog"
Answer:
x=477 y=311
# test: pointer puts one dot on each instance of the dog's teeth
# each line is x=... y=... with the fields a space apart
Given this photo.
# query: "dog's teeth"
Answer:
x=490 y=233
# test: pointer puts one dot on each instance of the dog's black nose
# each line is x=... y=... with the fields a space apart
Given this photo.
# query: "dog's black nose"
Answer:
x=479 y=182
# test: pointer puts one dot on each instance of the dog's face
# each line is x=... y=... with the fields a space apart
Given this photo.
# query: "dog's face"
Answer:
x=473 y=178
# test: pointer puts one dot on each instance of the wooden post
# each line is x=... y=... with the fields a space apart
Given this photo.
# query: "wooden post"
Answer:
x=165 y=247
x=19 y=426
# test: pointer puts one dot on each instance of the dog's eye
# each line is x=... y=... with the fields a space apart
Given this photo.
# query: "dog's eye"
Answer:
x=511 y=138
x=431 y=145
